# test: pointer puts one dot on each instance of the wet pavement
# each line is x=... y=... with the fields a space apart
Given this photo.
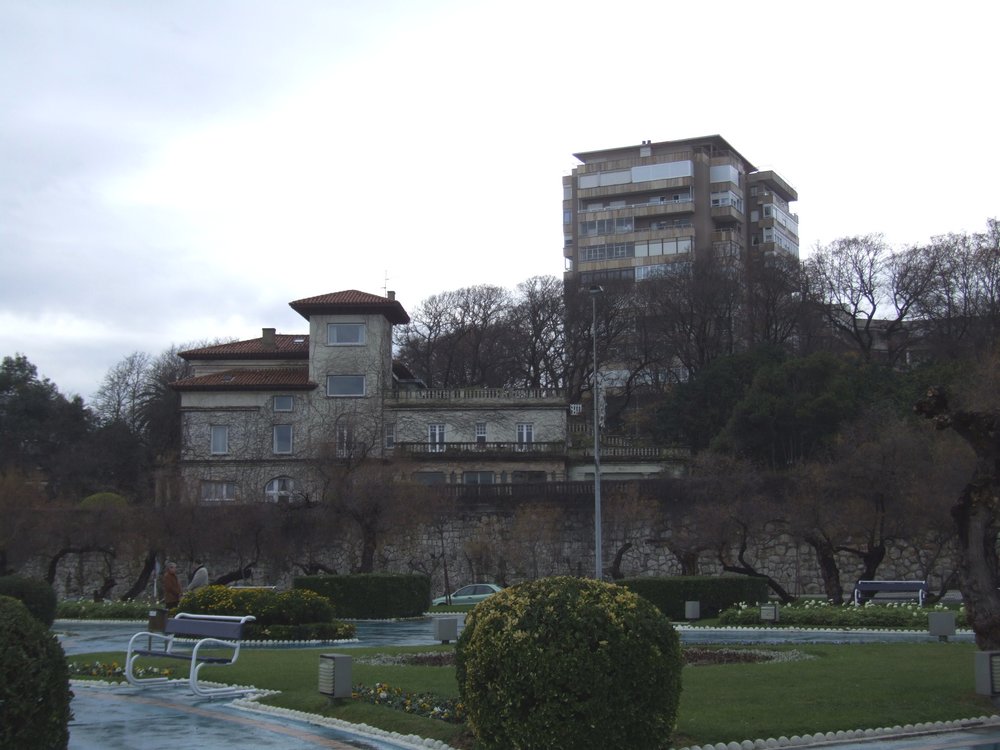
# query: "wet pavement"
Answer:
x=123 y=718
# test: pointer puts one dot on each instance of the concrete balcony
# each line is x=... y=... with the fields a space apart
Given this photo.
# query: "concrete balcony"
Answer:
x=727 y=214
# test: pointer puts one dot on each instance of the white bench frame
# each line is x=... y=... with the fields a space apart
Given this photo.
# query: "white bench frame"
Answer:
x=875 y=587
x=211 y=631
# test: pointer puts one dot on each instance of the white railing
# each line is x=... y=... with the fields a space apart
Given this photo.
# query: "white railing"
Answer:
x=480 y=394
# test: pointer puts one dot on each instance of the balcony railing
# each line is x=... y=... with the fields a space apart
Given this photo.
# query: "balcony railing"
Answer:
x=484 y=450
x=478 y=394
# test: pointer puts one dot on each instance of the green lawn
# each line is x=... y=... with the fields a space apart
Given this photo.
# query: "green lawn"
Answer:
x=839 y=687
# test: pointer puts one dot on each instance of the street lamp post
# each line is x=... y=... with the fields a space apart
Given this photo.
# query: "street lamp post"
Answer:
x=598 y=566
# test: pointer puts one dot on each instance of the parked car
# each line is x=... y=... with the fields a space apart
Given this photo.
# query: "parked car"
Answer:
x=471 y=594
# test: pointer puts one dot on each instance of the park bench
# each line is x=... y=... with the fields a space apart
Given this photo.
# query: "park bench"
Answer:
x=201 y=640
x=916 y=588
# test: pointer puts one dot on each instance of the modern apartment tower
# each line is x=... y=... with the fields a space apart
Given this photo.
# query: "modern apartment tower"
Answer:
x=630 y=213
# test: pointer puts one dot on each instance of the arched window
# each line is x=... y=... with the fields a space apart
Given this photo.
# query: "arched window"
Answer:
x=279 y=489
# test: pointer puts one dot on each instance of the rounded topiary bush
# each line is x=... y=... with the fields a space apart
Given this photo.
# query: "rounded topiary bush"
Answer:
x=34 y=682
x=37 y=595
x=569 y=663
x=101 y=500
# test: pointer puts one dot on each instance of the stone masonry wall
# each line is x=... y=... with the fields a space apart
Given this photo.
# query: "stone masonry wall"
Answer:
x=511 y=544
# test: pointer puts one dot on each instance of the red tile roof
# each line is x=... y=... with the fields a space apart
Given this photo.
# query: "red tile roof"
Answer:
x=351 y=302
x=286 y=346
x=278 y=378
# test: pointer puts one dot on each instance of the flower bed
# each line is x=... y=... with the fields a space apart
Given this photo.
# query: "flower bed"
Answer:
x=421 y=704
x=816 y=613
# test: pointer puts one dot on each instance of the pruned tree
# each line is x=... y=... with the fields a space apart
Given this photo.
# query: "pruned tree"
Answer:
x=975 y=512
x=740 y=515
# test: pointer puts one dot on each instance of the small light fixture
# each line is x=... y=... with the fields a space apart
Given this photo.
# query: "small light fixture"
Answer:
x=335 y=675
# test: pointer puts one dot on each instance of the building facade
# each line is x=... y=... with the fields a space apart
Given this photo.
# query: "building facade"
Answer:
x=634 y=212
x=262 y=418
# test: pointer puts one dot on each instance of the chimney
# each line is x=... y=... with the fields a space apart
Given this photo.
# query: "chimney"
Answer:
x=267 y=338
x=391 y=295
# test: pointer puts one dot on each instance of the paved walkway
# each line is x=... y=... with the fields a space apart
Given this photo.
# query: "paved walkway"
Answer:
x=125 y=718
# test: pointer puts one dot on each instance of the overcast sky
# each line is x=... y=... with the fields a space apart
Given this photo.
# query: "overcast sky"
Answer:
x=179 y=170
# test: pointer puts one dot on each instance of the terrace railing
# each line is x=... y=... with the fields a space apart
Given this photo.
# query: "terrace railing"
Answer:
x=485 y=449
x=477 y=394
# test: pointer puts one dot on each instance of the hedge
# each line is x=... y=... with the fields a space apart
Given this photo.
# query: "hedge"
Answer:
x=34 y=682
x=37 y=595
x=374 y=596
x=714 y=593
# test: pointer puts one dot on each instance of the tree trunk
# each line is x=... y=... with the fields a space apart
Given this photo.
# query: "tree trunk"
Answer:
x=235 y=575
x=975 y=514
x=368 y=549
x=616 y=566
x=101 y=593
x=830 y=573
x=143 y=580
x=743 y=567
x=975 y=518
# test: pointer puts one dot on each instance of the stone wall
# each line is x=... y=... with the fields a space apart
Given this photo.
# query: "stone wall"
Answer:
x=508 y=542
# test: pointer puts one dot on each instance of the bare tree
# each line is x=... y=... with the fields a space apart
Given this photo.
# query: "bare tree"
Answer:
x=774 y=304
x=459 y=338
x=536 y=331
x=866 y=292
x=961 y=310
x=121 y=395
x=694 y=311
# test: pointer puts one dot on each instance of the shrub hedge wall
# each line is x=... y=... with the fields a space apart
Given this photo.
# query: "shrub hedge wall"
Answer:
x=295 y=607
x=37 y=595
x=715 y=593
x=34 y=682
x=375 y=596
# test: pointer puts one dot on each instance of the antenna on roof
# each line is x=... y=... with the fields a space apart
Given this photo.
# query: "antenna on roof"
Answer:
x=385 y=284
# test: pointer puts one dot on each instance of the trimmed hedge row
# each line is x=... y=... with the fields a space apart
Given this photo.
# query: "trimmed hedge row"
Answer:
x=375 y=596
x=34 y=682
x=821 y=614
x=37 y=595
x=714 y=593
x=295 y=607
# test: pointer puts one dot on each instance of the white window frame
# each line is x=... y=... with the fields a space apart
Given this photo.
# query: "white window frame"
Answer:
x=210 y=491
x=480 y=433
x=436 y=437
x=525 y=435
x=278 y=439
x=345 y=440
x=345 y=379
x=337 y=334
x=279 y=489
x=219 y=441
x=390 y=435
x=290 y=401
